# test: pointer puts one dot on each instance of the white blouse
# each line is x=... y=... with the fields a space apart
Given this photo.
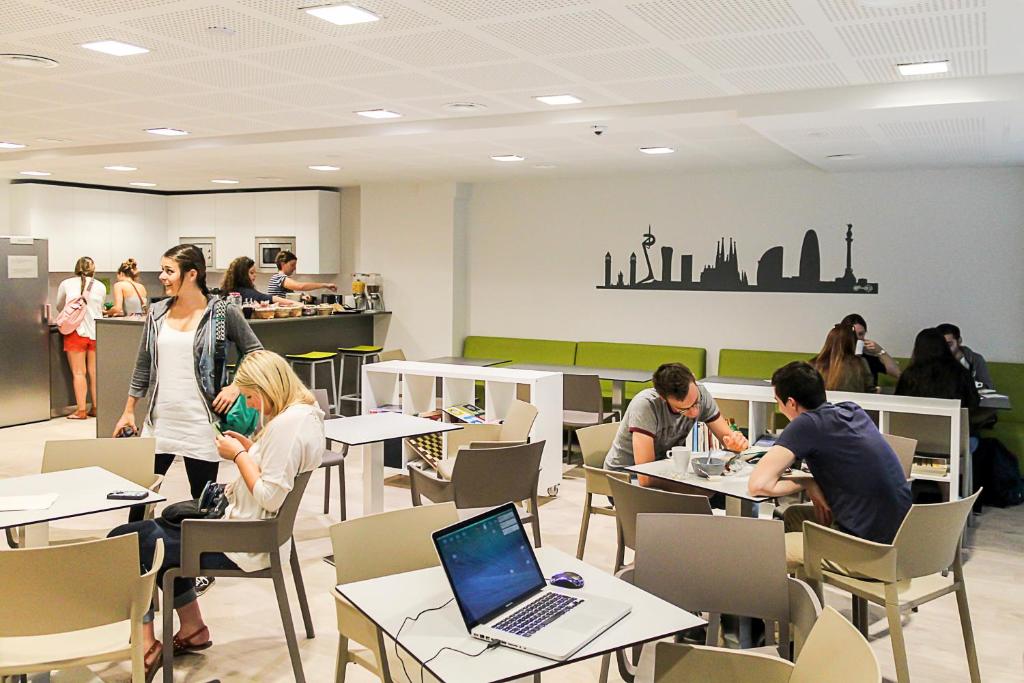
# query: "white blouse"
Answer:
x=71 y=288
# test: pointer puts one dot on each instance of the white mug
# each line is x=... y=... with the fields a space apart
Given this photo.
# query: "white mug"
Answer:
x=860 y=348
x=681 y=457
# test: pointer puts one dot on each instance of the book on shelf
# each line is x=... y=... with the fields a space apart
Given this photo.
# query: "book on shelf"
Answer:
x=933 y=467
x=432 y=415
x=466 y=412
x=386 y=408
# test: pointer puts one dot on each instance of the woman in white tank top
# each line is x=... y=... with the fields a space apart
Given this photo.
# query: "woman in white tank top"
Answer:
x=80 y=345
x=130 y=296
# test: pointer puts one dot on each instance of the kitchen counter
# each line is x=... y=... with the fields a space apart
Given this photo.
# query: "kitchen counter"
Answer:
x=118 y=341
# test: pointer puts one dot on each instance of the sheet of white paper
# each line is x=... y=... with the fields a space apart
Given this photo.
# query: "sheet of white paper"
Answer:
x=18 y=503
x=22 y=267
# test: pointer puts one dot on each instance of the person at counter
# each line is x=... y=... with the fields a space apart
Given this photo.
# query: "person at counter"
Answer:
x=176 y=361
x=660 y=418
x=130 y=296
x=282 y=282
x=80 y=345
x=239 y=278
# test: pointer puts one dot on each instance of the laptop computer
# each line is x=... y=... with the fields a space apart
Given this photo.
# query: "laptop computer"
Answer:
x=503 y=595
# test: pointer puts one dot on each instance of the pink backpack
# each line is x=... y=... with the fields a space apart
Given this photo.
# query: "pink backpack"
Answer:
x=71 y=316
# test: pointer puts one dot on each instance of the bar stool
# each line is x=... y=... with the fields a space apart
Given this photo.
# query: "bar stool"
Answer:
x=311 y=360
x=360 y=355
x=231 y=368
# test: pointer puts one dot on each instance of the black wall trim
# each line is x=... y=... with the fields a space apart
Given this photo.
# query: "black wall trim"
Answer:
x=167 y=193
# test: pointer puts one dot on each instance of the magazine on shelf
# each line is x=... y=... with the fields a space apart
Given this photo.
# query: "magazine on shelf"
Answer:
x=386 y=408
x=466 y=412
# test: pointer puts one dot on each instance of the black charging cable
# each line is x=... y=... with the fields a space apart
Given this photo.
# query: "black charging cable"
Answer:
x=409 y=620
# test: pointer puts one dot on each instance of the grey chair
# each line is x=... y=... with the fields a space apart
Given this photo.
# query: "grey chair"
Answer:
x=200 y=536
x=632 y=500
x=332 y=458
x=582 y=406
x=486 y=477
x=594 y=443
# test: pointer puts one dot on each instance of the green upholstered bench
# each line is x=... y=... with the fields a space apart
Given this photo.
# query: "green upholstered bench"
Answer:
x=756 y=364
x=548 y=351
x=1009 y=379
x=637 y=357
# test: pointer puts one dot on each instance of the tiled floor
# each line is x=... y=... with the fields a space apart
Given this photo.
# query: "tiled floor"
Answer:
x=249 y=645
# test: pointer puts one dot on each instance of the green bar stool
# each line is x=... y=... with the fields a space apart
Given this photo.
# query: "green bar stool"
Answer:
x=312 y=359
x=360 y=355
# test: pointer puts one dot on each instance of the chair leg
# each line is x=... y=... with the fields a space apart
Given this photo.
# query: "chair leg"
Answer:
x=327 y=490
x=334 y=388
x=584 y=525
x=341 y=664
x=606 y=661
x=535 y=522
x=168 y=619
x=138 y=654
x=965 y=625
x=899 y=646
x=860 y=614
x=300 y=590
x=341 y=491
x=286 y=620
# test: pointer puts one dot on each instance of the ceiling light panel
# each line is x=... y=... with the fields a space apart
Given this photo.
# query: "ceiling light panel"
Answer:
x=563 y=33
x=167 y=132
x=324 y=167
x=35 y=173
x=343 y=14
x=120 y=167
x=224 y=181
x=931 y=68
x=11 y=145
x=115 y=48
x=657 y=150
x=558 y=100
x=508 y=157
x=435 y=49
x=66 y=42
x=961 y=64
x=688 y=20
x=143 y=184
x=378 y=114
x=191 y=26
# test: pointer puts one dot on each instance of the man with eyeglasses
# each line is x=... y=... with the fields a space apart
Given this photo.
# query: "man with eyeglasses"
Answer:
x=661 y=418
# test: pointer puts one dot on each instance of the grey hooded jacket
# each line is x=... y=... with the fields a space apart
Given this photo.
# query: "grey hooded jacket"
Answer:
x=236 y=330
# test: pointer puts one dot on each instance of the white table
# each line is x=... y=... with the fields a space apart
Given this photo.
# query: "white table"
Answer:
x=733 y=486
x=460 y=360
x=79 y=492
x=617 y=376
x=389 y=599
x=371 y=431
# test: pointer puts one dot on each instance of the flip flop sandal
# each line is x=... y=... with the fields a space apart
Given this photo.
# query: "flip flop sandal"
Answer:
x=184 y=645
x=78 y=416
x=155 y=664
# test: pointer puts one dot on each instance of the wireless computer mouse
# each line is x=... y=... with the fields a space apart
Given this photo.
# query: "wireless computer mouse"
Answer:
x=567 y=580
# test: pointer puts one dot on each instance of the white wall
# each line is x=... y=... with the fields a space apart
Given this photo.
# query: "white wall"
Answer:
x=407 y=233
x=6 y=227
x=943 y=246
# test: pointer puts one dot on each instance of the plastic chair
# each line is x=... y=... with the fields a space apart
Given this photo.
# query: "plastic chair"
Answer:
x=374 y=546
x=514 y=430
x=595 y=442
x=332 y=458
x=632 y=500
x=905 y=448
x=392 y=354
x=131 y=459
x=51 y=595
x=912 y=570
x=485 y=478
x=582 y=405
x=200 y=536
x=835 y=653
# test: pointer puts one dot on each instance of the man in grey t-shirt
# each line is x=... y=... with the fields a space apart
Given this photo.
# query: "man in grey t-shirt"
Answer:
x=660 y=418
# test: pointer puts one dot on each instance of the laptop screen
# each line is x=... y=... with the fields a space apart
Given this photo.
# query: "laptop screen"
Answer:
x=489 y=562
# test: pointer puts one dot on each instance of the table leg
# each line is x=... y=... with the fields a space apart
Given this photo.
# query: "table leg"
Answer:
x=35 y=535
x=738 y=507
x=373 y=478
x=618 y=395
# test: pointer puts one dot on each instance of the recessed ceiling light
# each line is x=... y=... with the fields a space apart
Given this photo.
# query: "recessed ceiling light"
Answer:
x=225 y=181
x=11 y=145
x=558 y=99
x=52 y=140
x=34 y=172
x=222 y=30
x=324 y=167
x=657 y=150
x=143 y=184
x=844 y=157
x=544 y=166
x=924 y=68
x=464 y=107
x=379 y=114
x=169 y=132
x=269 y=179
x=508 y=157
x=118 y=167
x=343 y=15
x=28 y=61
x=115 y=47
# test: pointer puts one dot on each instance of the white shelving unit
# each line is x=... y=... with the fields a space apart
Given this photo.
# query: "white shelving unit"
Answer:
x=413 y=386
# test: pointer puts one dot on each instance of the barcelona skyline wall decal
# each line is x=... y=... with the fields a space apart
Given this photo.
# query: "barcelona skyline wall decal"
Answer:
x=725 y=274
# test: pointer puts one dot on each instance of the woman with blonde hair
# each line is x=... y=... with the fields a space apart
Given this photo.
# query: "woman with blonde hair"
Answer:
x=80 y=345
x=839 y=364
x=290 y=441
x=130 y=296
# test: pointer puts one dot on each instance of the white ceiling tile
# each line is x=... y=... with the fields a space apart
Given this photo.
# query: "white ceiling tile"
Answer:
x=17 y=17
x=223 y=73
x=963 y=63
x=622 y=65
x=191 y=26
x=394 y=17
x=914 y=34
x=158 y=111
x=701 y=19
x=945 y=128
x=402 y=86
x=216 y=125
x=434 y=49
x=307 y=95
x=321 y=61
x=665 y=89
x=562 y=33
x=220 y=102
x=476 y=10
x=89 y=118
x=798 y=77
x=295 y=119
x=770 y=49
x=13 y=103
x=69 y=43
x=136 y=83
x=853 y=10
x=509 y=75
x=64 y=93
x=821 y=134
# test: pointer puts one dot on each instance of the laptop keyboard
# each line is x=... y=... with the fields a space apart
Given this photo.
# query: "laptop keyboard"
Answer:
x=538 y=614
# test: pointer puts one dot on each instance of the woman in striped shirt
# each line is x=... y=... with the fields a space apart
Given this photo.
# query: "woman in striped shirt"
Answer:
x=282 y=283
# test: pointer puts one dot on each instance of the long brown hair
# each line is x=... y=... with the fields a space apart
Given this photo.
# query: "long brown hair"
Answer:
x=837 y=357
x=85 y=267
x=237 y=275
x=190 y=257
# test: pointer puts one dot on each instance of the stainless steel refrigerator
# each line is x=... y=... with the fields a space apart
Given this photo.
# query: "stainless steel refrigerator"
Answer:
x=24 y=331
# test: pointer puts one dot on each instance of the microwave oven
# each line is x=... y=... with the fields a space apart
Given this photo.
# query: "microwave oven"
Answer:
x=267 y=249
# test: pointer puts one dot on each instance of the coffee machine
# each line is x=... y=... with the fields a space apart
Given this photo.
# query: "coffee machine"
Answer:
x=375 y=292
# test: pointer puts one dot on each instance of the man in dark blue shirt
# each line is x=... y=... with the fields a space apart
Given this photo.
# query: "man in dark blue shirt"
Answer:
x=858 y=483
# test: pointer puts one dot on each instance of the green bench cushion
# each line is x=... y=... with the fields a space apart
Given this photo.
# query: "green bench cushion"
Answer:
x=547 y=351
x=1009 y=379
x=756 y=364
x=637 y=357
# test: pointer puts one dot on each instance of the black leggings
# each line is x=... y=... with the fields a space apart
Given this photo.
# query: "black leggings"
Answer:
x=199 y=472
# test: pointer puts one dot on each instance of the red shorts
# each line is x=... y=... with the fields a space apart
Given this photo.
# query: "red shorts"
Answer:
x=76 y=342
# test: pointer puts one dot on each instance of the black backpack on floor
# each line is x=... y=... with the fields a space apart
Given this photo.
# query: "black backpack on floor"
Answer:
x=997 y=470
